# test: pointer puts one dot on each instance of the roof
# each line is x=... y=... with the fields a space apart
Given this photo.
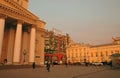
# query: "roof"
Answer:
x=109 y=44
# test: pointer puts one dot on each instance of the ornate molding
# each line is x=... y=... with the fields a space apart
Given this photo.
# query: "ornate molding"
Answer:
x=40 y=30
x=19 y=7
x=33 y=26
x=17 y=13
x=3 y=16
x=26 y=0
x=20 y=21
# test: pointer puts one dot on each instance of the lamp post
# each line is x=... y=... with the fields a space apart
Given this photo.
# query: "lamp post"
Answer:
x=24 y=53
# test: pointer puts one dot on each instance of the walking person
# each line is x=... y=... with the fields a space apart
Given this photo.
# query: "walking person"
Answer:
x=33 y=65
x=66 y=64
x=48 y=66
x=111 y=64
x=5 y=61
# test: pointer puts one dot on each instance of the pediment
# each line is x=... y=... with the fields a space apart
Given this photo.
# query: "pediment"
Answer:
x=11 y=9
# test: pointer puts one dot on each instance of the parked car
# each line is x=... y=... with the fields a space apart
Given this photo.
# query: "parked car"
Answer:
x=97 y=64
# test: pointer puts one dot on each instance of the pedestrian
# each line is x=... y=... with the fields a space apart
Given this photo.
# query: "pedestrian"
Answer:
x=86 y=63
x=66 y=64
x=111 y=63
x=48 y=66
x=52 y=64
x=33 y=65
x=5 y=61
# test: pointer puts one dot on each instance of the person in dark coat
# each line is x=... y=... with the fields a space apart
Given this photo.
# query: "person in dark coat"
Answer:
x=66 y=64
x=33 y=65
x=5 y=61
x=111 y=63
x=48 y=66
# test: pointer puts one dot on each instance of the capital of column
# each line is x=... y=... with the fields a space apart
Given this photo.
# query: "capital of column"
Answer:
x=3 y=16
x=33 y=26
x=20 y=21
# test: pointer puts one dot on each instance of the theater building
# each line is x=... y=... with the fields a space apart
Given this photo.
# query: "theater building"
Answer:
x=21 y=34
x=78 y=52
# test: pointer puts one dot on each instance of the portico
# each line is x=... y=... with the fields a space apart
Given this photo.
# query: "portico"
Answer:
x=15 y=37
x=19 y=31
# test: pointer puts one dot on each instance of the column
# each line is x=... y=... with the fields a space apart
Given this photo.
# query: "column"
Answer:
x=32 y=45
x=10 y=48
x=2 y=25
x=17 y=45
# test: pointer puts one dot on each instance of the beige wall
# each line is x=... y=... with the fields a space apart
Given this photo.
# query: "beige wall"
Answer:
x=79 y=52
x=39 y=55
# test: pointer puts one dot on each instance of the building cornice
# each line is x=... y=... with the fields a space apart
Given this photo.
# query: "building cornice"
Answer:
x=26 y=0
x=104 y=45
x=16 y=11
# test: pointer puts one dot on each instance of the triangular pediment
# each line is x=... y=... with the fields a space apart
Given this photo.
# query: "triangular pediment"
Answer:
x=11 y=9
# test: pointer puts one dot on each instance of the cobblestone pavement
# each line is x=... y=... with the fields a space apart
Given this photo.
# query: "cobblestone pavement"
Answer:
x=61 y=72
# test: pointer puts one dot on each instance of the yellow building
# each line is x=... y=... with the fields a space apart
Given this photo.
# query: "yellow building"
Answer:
x=77 y=52
x=21 y=34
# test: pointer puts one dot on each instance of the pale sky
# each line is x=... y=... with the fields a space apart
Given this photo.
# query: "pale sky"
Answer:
x=87 y=21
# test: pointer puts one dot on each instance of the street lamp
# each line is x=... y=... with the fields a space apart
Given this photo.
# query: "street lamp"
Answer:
x=24 y=53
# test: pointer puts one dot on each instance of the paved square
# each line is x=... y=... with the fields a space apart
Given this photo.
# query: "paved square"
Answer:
x=61 y=72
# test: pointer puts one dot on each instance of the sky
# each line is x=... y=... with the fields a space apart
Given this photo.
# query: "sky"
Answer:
x=86 y=21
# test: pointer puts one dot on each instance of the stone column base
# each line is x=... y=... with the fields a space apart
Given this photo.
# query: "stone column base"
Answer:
x=16 y=63
x=30 y=63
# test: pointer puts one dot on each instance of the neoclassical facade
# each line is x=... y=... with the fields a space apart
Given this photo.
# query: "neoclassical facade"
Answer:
x=78 y=52
x=21 y=34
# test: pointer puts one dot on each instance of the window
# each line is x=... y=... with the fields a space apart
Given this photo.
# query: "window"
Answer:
x=106 y=53
x=117 y=51
x=68 y=54
x=76 y=55
x=80 y=50
x=111 y=52
x=91 y=54
x=72 y=54
x=101 y=54
x=96 y=54
x=76 y=50
x=80 y=54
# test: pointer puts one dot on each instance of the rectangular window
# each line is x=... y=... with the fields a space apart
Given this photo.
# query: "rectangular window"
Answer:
x=101 y=54
x=111 y=52
x=80 y=54
x=76 y=55
x=96 y=54
x=91 y=54
x=76 y=50
x=106 y=53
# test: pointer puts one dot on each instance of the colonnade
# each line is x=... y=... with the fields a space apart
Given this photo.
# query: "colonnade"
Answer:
x=16 y=54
